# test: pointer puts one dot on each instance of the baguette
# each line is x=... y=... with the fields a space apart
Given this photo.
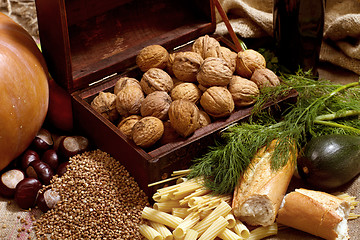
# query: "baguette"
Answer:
x=260 y=191
x=318 y=213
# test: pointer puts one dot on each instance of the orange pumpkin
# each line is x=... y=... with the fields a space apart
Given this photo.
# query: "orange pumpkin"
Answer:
x=24 y=92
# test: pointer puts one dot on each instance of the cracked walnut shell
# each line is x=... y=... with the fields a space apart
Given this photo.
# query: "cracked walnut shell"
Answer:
x=152 y=56
x=184 y=117
x=105 y=104
x=156 y=79
x=147 y=131
x=186 y=65
x=243 y=91
x=206 y=46
x=128 y=101
x=156 y=104
x=265 y=78
x=217 y=102
x=248 y=61
x=214 y=72
x=126 y=125
x=187 y=91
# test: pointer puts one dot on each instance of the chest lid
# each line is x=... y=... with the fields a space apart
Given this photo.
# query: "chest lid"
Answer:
x=86 y=40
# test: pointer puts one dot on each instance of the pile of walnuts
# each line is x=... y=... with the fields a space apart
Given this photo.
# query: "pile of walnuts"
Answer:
x=181 y=92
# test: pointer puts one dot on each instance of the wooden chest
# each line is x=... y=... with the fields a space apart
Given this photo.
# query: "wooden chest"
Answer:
x=89 y=45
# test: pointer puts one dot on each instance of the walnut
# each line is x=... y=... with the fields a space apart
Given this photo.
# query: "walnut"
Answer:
x=184 y=117
x=206 y=46
x=265 y=78
x=124 y=82
x=156 y=104
x=104 y=103
x=243 y=91
x=156 y=79
x=147 y=131
x=188 y=91
x=228 y=55
x=214 y=72
x=170 y=63
x=204 y=119
x=170 y=135
x=248 y=61
x=217 y=102
x=128 y=101
x=153 y=56
x=186 y=65
x=126 y=125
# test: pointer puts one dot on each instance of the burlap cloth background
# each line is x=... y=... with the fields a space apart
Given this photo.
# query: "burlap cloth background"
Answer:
x=250 y=19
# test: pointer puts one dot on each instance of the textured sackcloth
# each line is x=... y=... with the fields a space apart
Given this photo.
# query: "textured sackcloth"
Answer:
x=341 y=42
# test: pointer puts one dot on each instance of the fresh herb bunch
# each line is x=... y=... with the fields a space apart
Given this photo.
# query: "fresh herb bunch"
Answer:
x=322 y=108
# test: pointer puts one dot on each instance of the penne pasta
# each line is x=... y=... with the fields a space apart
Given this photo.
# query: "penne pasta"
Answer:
x=191 y=235
x=185 y=189
x=262 y=232
x=214 y=229
x=205 y=213
x=241 y=230
x=197 y=193
x=149 y=232
x=188 y=223
x=180 y=212
x=161 y=217
x=227 y=234
x=222 y=210
x=162 y=229
x=166 y=206
x=231 y=220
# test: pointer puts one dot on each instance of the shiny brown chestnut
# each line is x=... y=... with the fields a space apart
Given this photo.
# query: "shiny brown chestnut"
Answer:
x=62 y=168
x=27 y=157
x=47 y=200
x=72 y=145
x=42 y=141
x=8 y=182
x=51 y=157
x=40 y=170
x=26 y=192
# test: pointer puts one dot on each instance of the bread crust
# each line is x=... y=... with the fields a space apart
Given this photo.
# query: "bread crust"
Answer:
x=313 y=212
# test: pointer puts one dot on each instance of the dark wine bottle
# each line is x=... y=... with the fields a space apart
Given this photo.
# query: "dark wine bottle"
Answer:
x=298 y=32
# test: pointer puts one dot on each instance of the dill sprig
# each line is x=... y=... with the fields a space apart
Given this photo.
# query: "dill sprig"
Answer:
x=322 y=108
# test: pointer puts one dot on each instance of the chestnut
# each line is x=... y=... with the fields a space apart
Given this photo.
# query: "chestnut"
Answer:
x=26 y=192
x=40 y=170
x=42 y=141
x=62 y=168
x=51 y=157
x=9 y=180
x=72 y=145
x=27 y=157
x=47 y=200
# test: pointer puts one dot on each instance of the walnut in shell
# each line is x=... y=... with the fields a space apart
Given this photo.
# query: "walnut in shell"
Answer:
x=217 y=102
x=156 y=79
x=187 y=91
x=170 y=135
x=147 y=131
x=156 y=104
x=204 y=119
x=228 y=55
x=265 y=78
x=128 y=101
x=243 y=91
x=184 y=117
x=126 y=125
x=170 y=63
x=248 y=61
x=152 y=56
x=124 y=82
x=186 y=65
x=105 y=104
x=206 y=46
x=214 y=72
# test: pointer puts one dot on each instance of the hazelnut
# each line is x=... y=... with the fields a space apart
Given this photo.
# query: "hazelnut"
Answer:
x=228 y=55
x=243 y=91
x=126 y=125
x=186 y=65
x=217 y=102
x=147 y=131
x=128 y=101
x=156 y=79
x=152 y=56
x=204 y=119
x=184 y=117
x=206 y=46
x=265 y=78
x=156 y=104
x=104 y=103
x=124 y=82
x=187 y=91
x=248 y=61
x=214 y=72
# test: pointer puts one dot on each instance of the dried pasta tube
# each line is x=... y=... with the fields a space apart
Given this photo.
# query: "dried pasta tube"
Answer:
x=161 y=217
x=231 y=220
x=263 y=232
x=149 y=232
x=185 y=189
x=166 y=206
x=188 y=223
x=191 y=235
x=227 y=234
x=241 y=230
x=214 y=229
x=222 y=210
x=180 y=212
x=162 y=229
